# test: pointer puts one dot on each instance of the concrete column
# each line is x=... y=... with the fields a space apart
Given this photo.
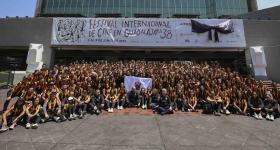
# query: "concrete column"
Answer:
x=38 y=8
x=253 y=5
x=48 y=56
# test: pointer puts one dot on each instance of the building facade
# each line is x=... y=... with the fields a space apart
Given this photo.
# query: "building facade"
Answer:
x=16 y=34
x=145 y=8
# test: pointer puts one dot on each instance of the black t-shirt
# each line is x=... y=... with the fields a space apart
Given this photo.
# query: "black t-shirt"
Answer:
x=154 y=98
x=255 y=102
x=164 y=101
x=97 y=99
x=133 y=97
x=270 y=104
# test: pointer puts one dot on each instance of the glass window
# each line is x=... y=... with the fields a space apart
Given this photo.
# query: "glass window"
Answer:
x=128 y=8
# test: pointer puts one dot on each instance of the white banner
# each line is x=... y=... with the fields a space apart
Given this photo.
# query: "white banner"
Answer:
x=145 y=32
x=137 y=82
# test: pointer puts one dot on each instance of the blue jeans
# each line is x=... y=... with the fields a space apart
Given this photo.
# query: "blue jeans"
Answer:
x=164 y=110
x=154 y=106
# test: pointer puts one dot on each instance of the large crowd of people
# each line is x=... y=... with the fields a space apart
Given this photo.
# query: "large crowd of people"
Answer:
x=68 y=92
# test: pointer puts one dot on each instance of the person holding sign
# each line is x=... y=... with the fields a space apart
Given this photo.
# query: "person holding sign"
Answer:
x=133 y=98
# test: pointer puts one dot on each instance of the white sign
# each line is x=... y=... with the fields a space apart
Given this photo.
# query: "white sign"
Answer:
x=137 y=82
x=144 y=32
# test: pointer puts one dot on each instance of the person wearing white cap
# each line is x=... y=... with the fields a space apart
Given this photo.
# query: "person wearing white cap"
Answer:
x=70 y=106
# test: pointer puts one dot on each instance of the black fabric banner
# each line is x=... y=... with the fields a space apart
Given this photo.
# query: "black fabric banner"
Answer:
x=225 y=28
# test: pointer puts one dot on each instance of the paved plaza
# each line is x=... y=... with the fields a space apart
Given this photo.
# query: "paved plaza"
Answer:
x=141 y=131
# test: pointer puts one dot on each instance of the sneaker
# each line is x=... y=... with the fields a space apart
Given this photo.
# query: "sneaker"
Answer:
x=28 y=126
x=56 y=119
x=97 y=112
x=75 y=115
x=217 y=114
x=267 y=117
x=63 y=118
x=13 y=126
x=271 y=118
x=118 y=107
x=43 y=120
x=256 y=116
x=81 y=116
x=4 y=128
x=121 y=107
x=112 y=110
x=70 y=117
x=227 y=112
x=260 y=116
x=34 y=126
x=109 y=109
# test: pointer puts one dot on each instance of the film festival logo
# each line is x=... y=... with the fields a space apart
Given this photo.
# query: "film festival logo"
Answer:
x=70 y=30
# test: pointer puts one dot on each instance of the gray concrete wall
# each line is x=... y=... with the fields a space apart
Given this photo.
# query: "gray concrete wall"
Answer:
x=266 y=33
x=20 y=32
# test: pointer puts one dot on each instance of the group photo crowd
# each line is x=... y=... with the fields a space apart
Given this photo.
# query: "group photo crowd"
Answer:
x=69 y=92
